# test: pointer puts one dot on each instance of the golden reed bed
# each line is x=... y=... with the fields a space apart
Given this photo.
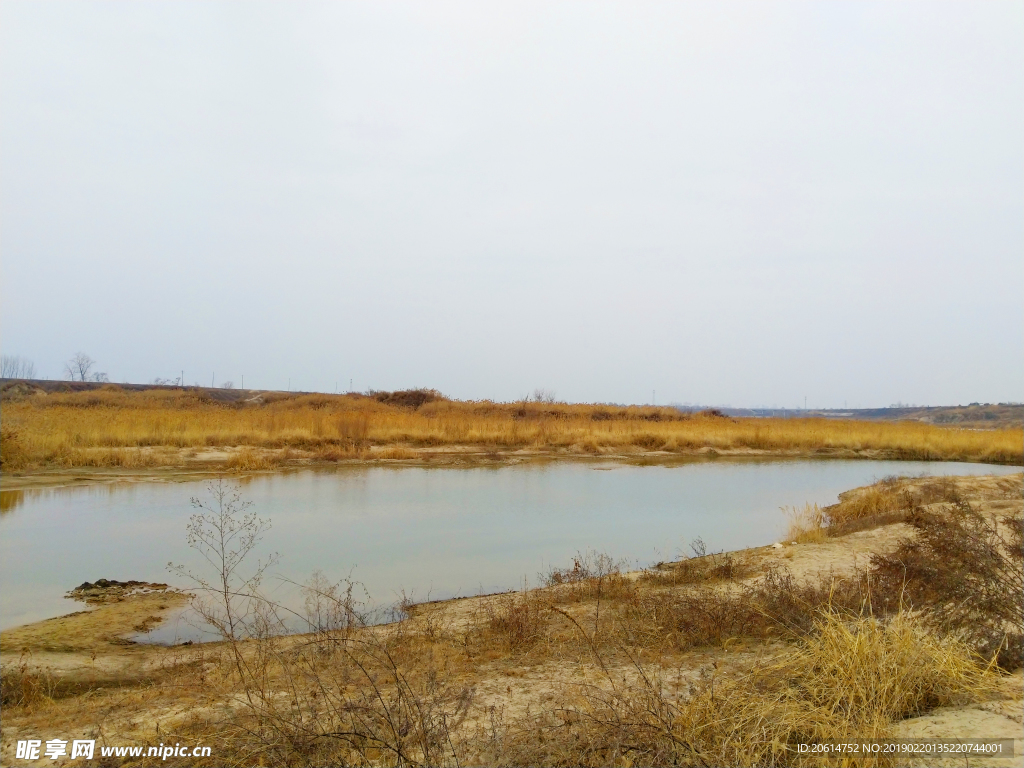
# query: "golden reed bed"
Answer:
x=112 y=426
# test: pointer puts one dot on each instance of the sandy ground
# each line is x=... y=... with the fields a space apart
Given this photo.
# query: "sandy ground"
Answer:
x=90 y=648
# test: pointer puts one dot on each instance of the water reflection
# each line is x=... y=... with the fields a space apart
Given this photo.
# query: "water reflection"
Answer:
x=10 y=501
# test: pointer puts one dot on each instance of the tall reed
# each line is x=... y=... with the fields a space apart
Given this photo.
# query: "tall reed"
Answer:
x=68 y=429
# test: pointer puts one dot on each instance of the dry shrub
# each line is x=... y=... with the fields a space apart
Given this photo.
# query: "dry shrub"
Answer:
x=681 y=620
x=347 y=693
x=517 y=620
x=593 y=576
x=964 y=571
x=701 y=568
x=848 y=679
x=25 y=686
x=792 y=605
x=355 y=699
x=585 y=566
x=409 y=398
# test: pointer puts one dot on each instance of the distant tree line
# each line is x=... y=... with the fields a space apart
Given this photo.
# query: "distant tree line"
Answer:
x=80 y=368
x=17 y=367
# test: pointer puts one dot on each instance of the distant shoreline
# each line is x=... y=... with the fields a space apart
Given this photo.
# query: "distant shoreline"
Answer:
x=459 y=457
x=77 y=430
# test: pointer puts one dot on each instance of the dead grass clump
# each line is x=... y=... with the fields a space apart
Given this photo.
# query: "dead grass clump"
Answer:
x=250 y=460
x=593 y=576
x=332 y=453
x=588 y=445
x=517 y=620
x=701 y=568
x=25 y=686
x=869 y=672
x=885 y=502
x=648 y=441
x=696 y=618
x=964 y=571
x=807 y=525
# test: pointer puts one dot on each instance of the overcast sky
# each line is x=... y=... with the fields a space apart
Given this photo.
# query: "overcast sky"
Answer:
x=743 y=203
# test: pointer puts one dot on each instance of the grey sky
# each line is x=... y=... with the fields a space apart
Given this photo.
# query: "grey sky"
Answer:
x=728 y=203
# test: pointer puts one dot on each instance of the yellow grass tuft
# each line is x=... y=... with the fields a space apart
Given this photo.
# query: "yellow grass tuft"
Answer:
x=868 y=673
x=807 y=525
x=250 y=460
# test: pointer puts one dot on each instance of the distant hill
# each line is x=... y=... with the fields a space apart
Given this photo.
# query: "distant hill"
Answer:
x=973 y=416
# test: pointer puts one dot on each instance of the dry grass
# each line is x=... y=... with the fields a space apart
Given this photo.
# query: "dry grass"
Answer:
x=807 y=525
x=868 y=673
x=846 y=679
x=518 y=621
x=106 y=427
x=27 y=687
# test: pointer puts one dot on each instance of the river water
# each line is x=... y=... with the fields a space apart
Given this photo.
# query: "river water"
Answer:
x=427 y=533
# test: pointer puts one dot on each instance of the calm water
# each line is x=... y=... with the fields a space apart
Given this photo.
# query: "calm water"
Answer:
x=433 y=533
